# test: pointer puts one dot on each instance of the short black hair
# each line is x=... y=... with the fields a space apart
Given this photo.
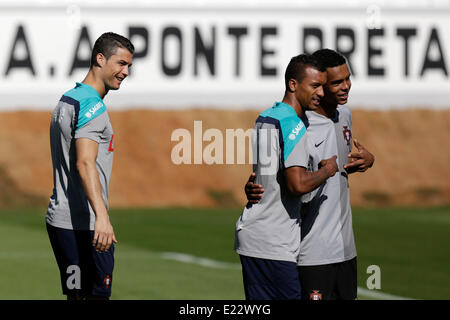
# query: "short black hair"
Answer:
x=107 y=45
x=329 y=58
x=297 y=66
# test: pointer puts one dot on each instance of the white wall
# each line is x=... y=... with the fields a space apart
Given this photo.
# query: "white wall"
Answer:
x=400 y=51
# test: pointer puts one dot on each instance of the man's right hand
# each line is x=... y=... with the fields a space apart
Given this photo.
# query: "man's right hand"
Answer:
x=252 y=190
x=330 y=165
x=103 y=234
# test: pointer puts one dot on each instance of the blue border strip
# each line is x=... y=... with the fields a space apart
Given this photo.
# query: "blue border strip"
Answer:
x=76 y=105
x=277 y=124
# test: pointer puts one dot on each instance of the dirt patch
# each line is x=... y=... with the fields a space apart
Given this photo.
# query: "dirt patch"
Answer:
x=412 y=152
x=12 y=196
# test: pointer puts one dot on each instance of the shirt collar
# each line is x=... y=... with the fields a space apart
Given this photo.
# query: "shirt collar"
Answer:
x=88 y=87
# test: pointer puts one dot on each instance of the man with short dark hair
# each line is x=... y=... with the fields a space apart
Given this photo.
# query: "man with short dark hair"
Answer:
x=327 y=255
x=268 y=233
x=81 y=140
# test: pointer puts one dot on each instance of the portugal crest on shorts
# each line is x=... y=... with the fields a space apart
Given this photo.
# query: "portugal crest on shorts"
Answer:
x=107 y=281
x=347 y=135
x=315 y=295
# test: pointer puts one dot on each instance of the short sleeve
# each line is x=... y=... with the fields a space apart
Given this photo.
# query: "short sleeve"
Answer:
x=91 y=119
x=93 y=129
x=299 y=155
x=90 y=108
x=295 y=150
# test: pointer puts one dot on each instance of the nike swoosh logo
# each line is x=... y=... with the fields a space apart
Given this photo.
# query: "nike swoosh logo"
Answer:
x=318 y=144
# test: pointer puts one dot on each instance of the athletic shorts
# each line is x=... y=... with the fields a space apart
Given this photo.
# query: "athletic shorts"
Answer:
x=84 y=271
x=270 y=279
x=336 y=281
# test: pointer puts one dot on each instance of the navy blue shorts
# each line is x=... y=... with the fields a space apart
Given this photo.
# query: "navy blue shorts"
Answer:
x=84 y=271
x=270 y=279
x=335 y=281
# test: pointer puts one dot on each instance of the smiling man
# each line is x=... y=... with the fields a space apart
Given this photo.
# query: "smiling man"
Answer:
x=81 y=140
x=268 y=233
x=327 y=259
x=327 y=254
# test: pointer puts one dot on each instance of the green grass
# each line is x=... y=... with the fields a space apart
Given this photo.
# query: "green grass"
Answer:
x=411 y=246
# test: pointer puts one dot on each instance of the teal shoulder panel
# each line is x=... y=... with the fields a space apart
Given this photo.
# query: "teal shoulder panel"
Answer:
x=91 y=105
x=293 y=130
x=292 y=127
x=90 y=109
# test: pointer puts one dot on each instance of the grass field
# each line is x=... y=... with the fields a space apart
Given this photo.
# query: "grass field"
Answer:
x=187 y=253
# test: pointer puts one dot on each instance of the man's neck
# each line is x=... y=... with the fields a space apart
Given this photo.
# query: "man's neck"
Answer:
x=327 y=110
x=290 y=99
x=94 y=81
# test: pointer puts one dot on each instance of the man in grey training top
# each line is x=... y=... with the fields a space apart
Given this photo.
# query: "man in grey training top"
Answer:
x=268 y=233
x=81 y=140
x=327 y=256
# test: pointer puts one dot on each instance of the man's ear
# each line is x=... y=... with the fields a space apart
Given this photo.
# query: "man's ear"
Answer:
x=292 y=85
x=101 y=59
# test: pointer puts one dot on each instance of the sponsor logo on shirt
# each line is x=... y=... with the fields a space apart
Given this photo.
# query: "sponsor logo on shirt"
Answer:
x=296 y=130
x=318 y=144
x=92 y=110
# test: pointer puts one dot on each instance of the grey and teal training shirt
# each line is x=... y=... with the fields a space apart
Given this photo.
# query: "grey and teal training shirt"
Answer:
x=80 y=113
x=327 y=233
x=270 y=229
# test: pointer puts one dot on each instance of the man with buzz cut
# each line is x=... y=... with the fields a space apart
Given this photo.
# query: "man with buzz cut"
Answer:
x=268 y=233
x=327 y=255
x=327 y=259
x=82 y=146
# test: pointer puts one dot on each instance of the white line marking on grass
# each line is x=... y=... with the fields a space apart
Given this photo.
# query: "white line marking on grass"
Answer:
x=25 y=255
x=206 y=262
x=379 y=295
x=185 y=258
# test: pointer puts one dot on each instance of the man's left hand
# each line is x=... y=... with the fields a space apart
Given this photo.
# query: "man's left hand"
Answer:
x=359 y=161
